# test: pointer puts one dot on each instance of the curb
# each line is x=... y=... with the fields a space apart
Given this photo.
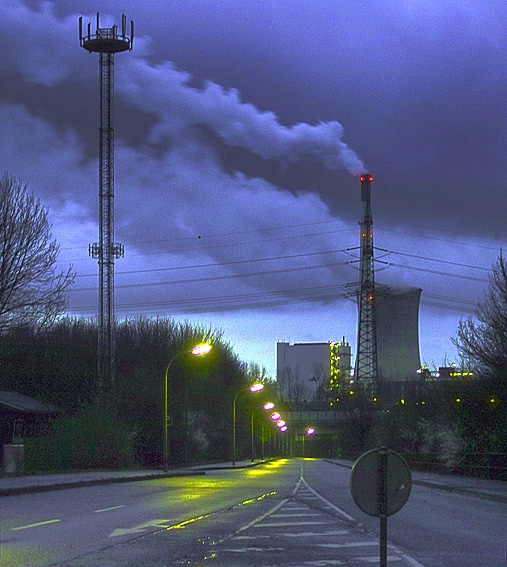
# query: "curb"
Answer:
x=92 y=482
x=446 y=487
x=197 y=471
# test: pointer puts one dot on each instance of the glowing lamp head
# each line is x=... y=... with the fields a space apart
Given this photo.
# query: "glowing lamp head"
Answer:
x=280 y=423
x=310 y=431
x=284 y=428
x=257 y=387
x=201 y=349
x=275 y=416
x=269 y=405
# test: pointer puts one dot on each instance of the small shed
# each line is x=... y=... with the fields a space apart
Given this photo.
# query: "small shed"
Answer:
x=22 y=416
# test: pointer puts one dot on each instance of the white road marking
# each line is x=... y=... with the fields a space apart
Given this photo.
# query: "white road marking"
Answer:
x=252 y=537
x=109 y=509
x=324 y=562
x=245 y=549
x=298 y=515
x=260 y=518
x=335 y=508
x=315 y=534
x=285 y=524
x=140 y=528
x=375 y=558
x=403 y=555
x=35 y=525
x=411 y=560
x=351 y=544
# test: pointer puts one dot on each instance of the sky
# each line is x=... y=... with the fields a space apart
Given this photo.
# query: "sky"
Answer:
x=240 y=131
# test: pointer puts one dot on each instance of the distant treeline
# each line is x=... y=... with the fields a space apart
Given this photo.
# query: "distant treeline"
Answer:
x=58 y=365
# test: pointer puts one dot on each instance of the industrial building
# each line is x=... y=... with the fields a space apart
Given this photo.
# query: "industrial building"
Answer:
x=397 y=326
x=305 y=371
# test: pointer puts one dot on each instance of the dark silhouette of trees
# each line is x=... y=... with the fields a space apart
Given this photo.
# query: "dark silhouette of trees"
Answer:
x=483 y=342
x=31 y=291
x=57 y=364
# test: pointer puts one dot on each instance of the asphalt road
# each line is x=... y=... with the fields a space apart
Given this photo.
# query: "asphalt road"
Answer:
x=288 y=513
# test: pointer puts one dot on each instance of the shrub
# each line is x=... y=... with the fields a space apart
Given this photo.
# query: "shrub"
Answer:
x=92 y=439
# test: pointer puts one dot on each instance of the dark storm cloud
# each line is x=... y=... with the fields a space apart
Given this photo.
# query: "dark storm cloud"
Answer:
x=233 y=118
x=417 y=85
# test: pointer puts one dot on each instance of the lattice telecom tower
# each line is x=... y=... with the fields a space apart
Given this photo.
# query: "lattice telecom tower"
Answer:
x=106 y=42
x=366 y=372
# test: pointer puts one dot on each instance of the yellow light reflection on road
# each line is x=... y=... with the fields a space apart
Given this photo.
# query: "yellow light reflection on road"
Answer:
x=192 y=520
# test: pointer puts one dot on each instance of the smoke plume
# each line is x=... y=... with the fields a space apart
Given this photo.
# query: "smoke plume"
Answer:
x=164 y=90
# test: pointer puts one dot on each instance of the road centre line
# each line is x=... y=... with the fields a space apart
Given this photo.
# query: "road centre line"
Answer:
x=35 y=525
x=109 y=509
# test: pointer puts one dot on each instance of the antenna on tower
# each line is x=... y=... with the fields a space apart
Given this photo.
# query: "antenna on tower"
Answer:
x=106 y=42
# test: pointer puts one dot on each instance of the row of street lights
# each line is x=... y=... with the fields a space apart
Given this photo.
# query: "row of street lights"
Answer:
x=205 y=348
x=275 y=416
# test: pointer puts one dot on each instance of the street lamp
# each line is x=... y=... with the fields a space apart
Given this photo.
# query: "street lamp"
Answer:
x=257 y=387
x=198 y=350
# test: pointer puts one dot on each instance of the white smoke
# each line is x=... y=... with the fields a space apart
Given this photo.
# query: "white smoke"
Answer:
x=164 y=90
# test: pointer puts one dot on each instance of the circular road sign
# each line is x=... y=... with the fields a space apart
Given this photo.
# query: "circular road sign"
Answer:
x=380 y=482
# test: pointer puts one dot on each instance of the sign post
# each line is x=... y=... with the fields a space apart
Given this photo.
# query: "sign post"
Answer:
x=380 y=484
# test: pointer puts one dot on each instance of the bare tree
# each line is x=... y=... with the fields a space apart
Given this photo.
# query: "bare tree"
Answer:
x=258 y=373
x=321 y=379
x=484 y=342
x=293 y=387
x=30 y=289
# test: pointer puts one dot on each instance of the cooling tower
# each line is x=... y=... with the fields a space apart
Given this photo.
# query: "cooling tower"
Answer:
x=397 y=314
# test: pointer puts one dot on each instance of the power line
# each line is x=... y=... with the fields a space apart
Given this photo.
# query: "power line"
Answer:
x=242 y=301
x=223 y=277
x=216 y=265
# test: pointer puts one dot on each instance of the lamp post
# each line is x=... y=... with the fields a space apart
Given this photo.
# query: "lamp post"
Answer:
x=309 y=431
x=257 y=387
x=198 y=350
x=267 y=406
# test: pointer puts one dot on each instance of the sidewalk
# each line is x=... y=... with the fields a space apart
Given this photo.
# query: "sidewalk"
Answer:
x=25 y=484
x=495 y=490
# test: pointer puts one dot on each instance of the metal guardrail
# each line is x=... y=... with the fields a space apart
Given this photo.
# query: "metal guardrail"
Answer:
x=486 y=465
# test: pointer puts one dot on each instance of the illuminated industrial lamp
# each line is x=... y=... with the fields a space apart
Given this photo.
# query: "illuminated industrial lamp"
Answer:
x=257 y=387
x=275 y=416
x=269 y=405
x=280 y=423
